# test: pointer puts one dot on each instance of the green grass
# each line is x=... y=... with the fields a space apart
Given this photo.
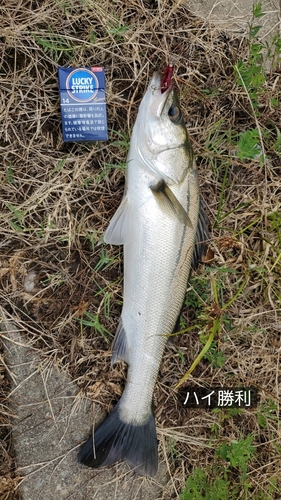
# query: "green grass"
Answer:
x=55 y=45
x=216 y=481
x=210 y=306
x=227 y=477
x=93 y=321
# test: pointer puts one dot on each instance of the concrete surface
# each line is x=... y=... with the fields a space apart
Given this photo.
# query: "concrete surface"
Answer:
x=235 y=15
x=50 y=424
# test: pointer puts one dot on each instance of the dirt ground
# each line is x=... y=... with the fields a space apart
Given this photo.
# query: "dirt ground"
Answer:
x=56 y=199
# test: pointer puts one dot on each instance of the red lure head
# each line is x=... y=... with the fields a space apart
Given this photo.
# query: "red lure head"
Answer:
x=167 y=77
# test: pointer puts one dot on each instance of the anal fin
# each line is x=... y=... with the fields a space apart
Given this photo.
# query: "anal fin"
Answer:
x=120 y=345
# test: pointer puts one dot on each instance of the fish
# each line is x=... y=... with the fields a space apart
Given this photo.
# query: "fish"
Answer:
x=162 y=226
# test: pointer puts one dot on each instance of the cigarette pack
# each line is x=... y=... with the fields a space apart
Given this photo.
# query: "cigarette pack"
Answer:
x=83 y=105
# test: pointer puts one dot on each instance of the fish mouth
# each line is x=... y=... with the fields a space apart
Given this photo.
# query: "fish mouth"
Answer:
x=157 y=96
x=156 y=85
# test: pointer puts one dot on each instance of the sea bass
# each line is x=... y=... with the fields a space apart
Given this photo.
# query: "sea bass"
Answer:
x=157 y=223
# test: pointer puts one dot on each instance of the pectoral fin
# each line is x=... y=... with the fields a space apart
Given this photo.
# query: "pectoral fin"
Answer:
x=169 y=203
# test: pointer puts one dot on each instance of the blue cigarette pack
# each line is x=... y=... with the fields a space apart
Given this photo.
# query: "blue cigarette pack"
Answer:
x=83 y=106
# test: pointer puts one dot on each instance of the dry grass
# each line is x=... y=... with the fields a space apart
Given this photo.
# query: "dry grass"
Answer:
x=56 y=200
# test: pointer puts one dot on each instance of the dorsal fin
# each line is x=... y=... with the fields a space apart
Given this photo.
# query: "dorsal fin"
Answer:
x=202 y=235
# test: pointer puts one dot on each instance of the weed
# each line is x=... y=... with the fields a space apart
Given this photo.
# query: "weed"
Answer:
x=218 y=139
x=16 y=222
x=107 y=168
x=199 y=486
x=215 y=357
x=275 y=224
x=211 y=320
x=104 y=261
x=238 y=453
x=251 y=74
x=92 y=237
x=16 y=213
x=54 y=280
x=118 y=31
x=106 y=304
x=171 y=448
x=182 y=323
x=215 y=482
x=224 y=414
x=122 y=140
x=94 y=322
x=198 y=293
x=267 y=412
x=277 y=142
x=10 y=175
x=59 y=166
x=182 y=357
x=248 y=145
x=54 y=44
x=64 y=5
x=268 y=492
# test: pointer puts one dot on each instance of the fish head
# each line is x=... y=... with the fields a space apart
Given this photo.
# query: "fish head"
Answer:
x=160 y=134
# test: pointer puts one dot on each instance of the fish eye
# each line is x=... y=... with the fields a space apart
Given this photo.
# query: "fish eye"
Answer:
x=174 y=113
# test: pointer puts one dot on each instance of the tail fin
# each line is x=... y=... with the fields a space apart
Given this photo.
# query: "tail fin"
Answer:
x=116 y=440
